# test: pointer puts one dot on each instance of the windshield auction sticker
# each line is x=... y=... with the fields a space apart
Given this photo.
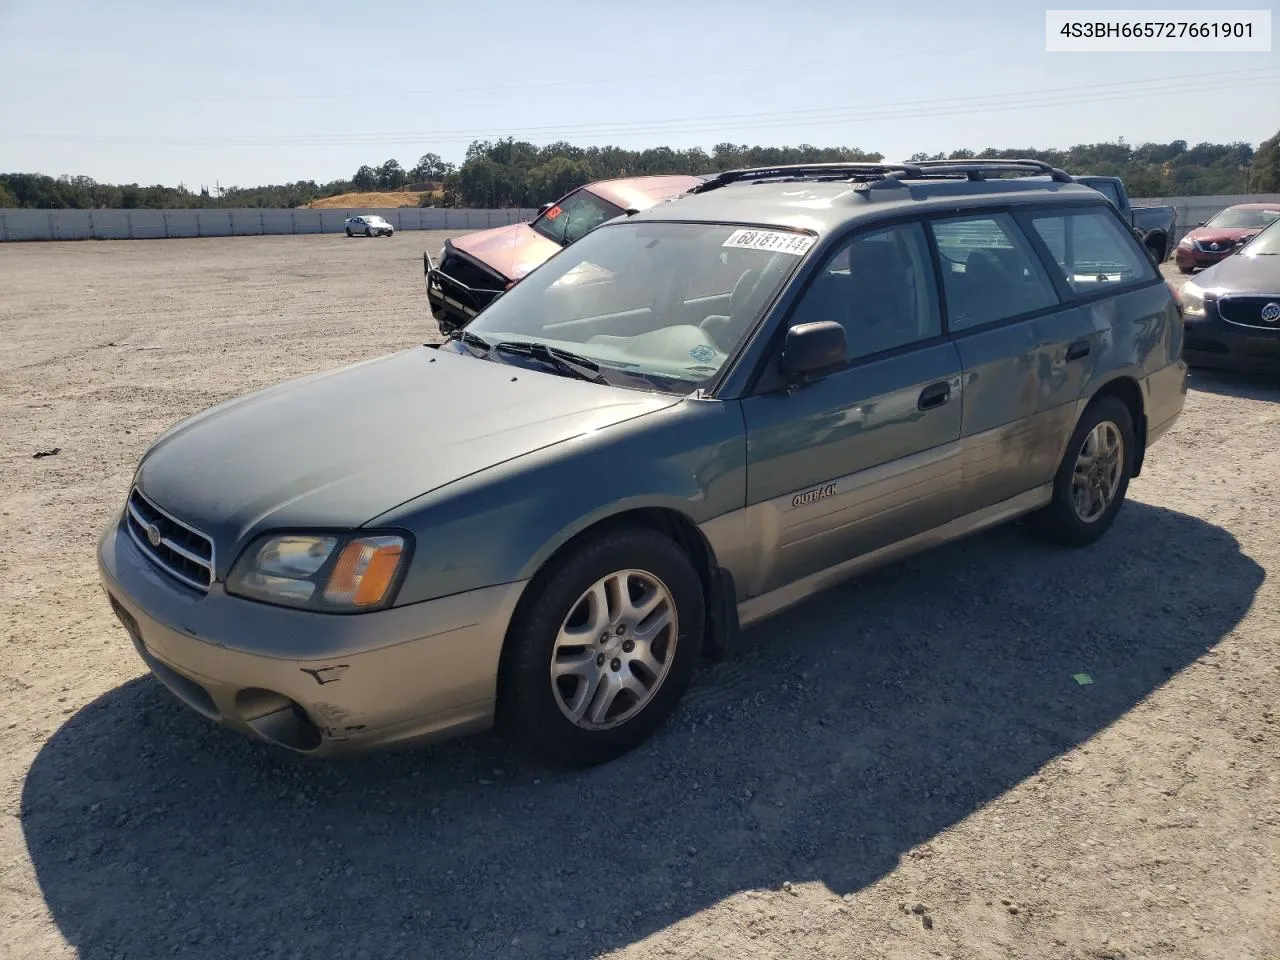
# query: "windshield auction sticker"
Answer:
x=778 y=241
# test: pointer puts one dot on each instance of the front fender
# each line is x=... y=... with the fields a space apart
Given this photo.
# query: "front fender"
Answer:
x=503 y=524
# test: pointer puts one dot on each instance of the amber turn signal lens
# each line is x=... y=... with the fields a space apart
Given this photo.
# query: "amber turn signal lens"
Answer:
x=364 y=571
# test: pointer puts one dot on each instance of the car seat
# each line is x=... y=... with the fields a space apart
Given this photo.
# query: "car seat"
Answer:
x=725 y=330
x=880 y=312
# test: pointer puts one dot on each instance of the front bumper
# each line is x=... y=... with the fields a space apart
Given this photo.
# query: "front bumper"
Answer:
x=1214 y=342
x=320 y=684
x=452 y=302
x=1195 y=257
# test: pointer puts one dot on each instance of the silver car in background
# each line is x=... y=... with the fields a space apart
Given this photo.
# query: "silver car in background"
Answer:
x=370 y=225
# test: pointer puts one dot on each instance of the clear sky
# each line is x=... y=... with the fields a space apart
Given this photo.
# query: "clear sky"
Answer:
x=266 y=91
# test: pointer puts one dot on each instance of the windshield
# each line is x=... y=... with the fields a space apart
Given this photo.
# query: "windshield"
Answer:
x=1267 y=243
x=374 y=220
x=1245 y=218
x=575 y=215
x=664 y=304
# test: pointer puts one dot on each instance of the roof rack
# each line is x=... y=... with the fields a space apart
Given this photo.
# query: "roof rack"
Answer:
x=876 y=174
x=809 y=171
x=976 y=169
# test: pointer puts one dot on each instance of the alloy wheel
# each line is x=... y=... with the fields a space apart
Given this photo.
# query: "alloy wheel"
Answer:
x=614 y=649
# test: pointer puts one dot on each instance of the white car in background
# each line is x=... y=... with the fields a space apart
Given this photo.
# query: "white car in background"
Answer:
x=369 y=225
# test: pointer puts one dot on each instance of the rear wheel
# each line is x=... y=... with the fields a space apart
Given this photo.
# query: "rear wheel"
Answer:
x=1093 y=477
x=599 y=658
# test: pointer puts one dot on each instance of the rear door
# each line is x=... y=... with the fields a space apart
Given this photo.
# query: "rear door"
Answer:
x=868 y=455
x=1003 y=313
x=1097 y=265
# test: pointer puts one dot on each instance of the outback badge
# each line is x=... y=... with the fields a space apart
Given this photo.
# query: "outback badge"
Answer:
x=813 y=496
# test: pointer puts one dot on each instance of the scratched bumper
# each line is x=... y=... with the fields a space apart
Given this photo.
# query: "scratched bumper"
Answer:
x=321 y=684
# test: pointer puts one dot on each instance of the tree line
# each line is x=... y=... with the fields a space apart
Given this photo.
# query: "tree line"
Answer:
x=515 y=173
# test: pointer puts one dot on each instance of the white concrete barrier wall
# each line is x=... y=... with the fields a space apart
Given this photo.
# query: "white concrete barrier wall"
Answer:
x=159 y=224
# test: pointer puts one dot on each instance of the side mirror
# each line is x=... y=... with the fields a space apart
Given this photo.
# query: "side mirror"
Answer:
x=812 y=349
x=1201 y=223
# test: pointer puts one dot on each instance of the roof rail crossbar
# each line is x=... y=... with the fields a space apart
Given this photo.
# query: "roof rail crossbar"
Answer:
x=977 y=169
x=866 y=170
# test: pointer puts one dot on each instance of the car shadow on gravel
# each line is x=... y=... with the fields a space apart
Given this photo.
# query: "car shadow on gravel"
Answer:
x=1227 y=383
x=849 y=732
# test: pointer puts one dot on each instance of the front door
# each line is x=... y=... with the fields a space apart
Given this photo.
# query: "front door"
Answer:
x=867 y=456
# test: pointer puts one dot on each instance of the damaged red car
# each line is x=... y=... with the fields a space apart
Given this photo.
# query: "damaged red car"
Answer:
x=1212 y=240
x=476 y=268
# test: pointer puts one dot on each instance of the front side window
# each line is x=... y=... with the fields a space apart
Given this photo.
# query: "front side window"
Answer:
x=989 y=271
x=1244 y=218
x=1092 y=249
x=651 y=303
x=574 y=216
x=880 y=287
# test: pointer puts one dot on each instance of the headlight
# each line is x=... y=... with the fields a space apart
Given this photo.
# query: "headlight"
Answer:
x=1186 y=243
x=1192 y=300
x=321 y=572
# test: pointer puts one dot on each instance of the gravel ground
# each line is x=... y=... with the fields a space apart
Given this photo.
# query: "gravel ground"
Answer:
x=903 y=767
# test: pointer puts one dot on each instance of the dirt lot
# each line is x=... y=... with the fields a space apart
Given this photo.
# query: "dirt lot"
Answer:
x=902 y=768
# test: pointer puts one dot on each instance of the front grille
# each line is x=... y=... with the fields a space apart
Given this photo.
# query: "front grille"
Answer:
x=1247 y=311
x=1216 y=246
x=184 y=553
x=471 y=274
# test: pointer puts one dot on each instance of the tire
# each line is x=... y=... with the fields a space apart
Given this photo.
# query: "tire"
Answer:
x=1061 y=522
x=537 y=709
x=348 y=231
x=368 y=232
x=1157 y=253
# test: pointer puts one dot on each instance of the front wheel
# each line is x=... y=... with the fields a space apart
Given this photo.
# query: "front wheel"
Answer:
x=368 y=232
x=601 y=655
x=1093 y=477
x=348 y=231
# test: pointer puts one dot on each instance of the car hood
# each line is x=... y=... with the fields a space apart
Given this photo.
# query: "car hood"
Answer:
x=339 y=448
x=512 y=250
x=1242 y=275
x=1222 y=234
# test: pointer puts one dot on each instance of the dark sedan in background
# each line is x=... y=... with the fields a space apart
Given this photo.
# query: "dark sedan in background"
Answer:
x=1217 y=238
x=1232 y=310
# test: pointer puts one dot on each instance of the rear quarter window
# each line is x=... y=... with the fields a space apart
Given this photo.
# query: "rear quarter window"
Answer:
x=1092 y=249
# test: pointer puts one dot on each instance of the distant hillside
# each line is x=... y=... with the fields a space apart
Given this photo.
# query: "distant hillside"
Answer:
x=376 y=199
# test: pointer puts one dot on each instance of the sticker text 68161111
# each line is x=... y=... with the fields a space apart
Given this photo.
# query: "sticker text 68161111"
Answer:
x=778 y=241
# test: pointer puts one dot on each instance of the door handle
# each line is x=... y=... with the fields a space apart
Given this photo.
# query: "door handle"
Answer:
x=934 y=395
x=1078 y=350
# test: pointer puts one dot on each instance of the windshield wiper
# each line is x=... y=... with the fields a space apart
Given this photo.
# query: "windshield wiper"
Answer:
x=476 y=346
x=562 y=360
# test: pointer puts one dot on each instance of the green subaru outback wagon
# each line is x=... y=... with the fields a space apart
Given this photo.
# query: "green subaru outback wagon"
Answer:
x=687 y=421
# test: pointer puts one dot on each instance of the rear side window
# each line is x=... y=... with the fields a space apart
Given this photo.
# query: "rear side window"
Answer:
x=1092 y=249
x=989 y=271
